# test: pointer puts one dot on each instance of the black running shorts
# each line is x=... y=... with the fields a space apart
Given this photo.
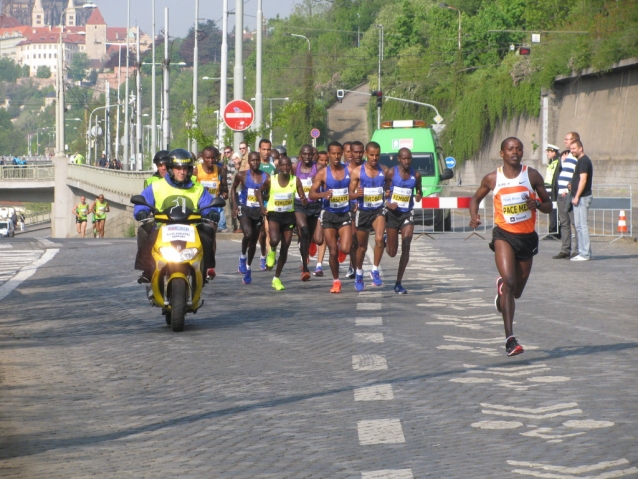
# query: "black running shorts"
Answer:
x=285 y=220
x=253 y=214
x=311 y=209
x=334 y=220
x=395 y=219
x=365 y=218
x=525 y=245
x=80 y=220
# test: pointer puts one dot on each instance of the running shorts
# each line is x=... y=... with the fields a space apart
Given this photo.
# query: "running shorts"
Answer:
x=253 y=214
x=525 y=245
x=395 y=219
x=365 y=218
x=311 y=209
x=80 y=220
x=285 y=220
x=334 y=220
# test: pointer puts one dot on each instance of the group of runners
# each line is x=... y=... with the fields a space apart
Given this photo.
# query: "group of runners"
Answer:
x=99 y=209
x=334 y=200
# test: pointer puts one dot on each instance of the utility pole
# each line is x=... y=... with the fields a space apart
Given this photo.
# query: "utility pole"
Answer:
x=107 y=123
x=166 y=125
x=223 y=82
x=195 y=75
x=153 y=93
x=119 y=104
x=127 y=139
x=239 y=63
x=379 y=74
x=259 y=99
x=138 y=107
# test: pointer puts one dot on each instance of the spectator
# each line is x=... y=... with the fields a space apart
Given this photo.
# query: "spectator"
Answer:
x=103 y=162
x=565 y=171
x=231 y=161
x=243 y=151
x=550 y=186
x=581 y=199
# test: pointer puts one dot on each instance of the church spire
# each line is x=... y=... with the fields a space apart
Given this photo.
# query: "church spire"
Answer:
x=37 y=14
x=71 y=14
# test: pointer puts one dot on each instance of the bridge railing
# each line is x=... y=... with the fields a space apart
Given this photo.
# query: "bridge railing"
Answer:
x=126 y=183
x=27 y=172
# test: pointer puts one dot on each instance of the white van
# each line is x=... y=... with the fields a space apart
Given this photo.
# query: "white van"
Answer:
x=7 y=228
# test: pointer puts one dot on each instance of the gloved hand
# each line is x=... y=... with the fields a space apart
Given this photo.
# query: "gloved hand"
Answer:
x=213 y=216
x=141 y=215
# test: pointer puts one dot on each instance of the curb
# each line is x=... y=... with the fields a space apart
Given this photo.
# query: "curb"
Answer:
x=35 y=228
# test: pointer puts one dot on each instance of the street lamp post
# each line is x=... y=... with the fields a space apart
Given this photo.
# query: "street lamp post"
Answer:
x=153 y=92
x=193 y=142
x=380 y=27
x=127 y=136
x=223 y=87
x=445 y=5
x=259 y=102
x=89 y=133
x=119 y=82
x=166 y=125
x=239 y=64
x=37 y=140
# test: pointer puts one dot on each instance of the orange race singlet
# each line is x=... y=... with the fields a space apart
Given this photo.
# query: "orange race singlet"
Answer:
x=510 y=209
x=210 y=181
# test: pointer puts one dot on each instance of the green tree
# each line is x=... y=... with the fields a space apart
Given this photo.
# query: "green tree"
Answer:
x=9 y=70
x=10 y=142
x=43 y=72
x=78 y=67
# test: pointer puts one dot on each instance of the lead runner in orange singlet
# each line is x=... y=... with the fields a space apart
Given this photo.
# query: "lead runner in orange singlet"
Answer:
x=519 y=191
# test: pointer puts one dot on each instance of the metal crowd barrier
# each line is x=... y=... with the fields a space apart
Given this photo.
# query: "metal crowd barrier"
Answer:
x=27 y=172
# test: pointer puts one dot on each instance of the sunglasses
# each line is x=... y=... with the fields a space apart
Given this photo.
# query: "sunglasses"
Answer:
x=242 y=147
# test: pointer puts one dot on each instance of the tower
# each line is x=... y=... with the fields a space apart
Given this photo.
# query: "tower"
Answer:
x=71 y=15
x=37 y=14
x=96 y=36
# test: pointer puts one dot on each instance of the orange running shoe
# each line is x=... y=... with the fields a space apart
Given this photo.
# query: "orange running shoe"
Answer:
x=312 y=249
x=305 y=276
x=336 y=286
x=342 y=256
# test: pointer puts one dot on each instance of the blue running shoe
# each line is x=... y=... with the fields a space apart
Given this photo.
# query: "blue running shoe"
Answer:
x=262 y=264
x=247 y=279
x=398 y=289
x=318 y=271
x=242 y=266
x=376 y=278
x=359 y=285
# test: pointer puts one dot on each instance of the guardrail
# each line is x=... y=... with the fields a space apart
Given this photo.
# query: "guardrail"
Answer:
x=27 y=172
x=126 y=183
x=37 y=219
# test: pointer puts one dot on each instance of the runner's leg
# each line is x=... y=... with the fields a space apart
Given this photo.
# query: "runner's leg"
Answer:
x=286 y=239
x=392 y=242
x=379 y=228
x=406 y=242
x=303 y=232
x=330 y=237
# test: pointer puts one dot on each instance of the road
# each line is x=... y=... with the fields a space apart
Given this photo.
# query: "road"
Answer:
x=304 y=384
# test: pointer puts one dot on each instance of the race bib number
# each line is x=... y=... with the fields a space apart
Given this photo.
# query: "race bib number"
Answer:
x=282 y=202
x=515 y=207
x=251 y=199
x=101 y=209
x=373 y=197
x=339 y=198
x=306 y=184
x=212 y=186
x=401 y=196
x=178 y=233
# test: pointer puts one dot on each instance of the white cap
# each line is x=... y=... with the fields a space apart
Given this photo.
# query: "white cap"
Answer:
x=552 y=147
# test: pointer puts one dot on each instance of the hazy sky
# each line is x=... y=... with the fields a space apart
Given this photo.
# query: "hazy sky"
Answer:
x=182 y=13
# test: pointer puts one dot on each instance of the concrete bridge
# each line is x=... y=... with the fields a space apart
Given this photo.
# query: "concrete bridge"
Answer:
x=62 y=184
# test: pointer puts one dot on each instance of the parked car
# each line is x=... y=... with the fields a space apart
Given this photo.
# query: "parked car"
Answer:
x=7 y=228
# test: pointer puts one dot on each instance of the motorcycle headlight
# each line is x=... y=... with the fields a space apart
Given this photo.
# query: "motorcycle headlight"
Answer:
x=171 y=254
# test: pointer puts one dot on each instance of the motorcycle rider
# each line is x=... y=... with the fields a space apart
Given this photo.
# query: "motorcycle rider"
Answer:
x=161 y=161
x=165 y=192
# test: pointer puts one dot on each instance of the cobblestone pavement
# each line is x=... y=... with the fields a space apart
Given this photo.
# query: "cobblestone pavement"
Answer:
x=304 y=384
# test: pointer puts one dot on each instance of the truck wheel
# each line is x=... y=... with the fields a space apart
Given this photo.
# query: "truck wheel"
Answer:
x=179 y=292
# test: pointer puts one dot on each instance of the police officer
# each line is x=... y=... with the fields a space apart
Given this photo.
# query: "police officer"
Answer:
x=177 y=183
x=550 y=186
x=161 y=161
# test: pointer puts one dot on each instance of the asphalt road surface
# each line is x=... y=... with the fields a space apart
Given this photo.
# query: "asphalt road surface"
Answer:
x=305 y=384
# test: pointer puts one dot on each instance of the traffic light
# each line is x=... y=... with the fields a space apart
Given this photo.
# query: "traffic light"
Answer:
x=524 y=50
x=379 y=95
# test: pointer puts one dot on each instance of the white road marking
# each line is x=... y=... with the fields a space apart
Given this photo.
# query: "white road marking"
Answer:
x=369 y=362
x=460 y=347
x=587 y=424
x=6 y=246
x=380 y=431
x=538 y=410
x=373 y=321
x=368 y=306
x=549 y=379
x=382 y=392
x=26 y=272
x=513 y=371
x=497 y=424
x=458 y=339
x=388 y=474
x=574 y=470
x=565 y=409
x=544 y=433
x=48 y=244
x=471 y=380
x=368 y=338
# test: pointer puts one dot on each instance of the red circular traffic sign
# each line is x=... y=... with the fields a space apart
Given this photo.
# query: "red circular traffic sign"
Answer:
x=239 y=115
x=315 y=133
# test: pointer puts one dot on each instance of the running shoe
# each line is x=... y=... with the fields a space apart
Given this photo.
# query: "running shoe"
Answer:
x=376 y=278
x=359 y=285
x=398 y=289
x=312 y=249
x=270 y=259
x=342 y=256
x=336 y=286
x=305 y=276
x=351 y=273
x=247 y=279
x=276 y=283
x=512 y=347
x=318 y=271
x=242 y=266
x=262 y=264
x=499 y=292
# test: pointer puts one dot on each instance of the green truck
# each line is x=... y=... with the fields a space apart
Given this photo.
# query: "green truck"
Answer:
x=427 y=159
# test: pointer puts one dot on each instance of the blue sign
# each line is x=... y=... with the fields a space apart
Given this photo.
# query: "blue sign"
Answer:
x=450 y=162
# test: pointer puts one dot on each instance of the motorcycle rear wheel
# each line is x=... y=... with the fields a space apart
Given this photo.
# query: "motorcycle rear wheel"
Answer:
x=179 y=293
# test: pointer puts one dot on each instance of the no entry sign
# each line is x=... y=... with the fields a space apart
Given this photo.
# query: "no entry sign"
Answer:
x=239 y=115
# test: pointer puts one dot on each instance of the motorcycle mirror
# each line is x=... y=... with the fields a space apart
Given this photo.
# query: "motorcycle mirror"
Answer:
x=140 y=201
x=218 y=202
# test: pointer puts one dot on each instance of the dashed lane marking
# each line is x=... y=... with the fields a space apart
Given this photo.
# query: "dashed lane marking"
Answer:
x=382 y=392
x=373 y=321
x=539 y=469
x=380 y=431
x=388 y=474
x=368 y=306
x=369 y=362
x=368 y=338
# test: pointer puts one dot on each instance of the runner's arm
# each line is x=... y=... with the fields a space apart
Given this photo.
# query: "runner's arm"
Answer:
x=234 y=196
x=301 y=192
x=75 y=210
x=539 y=186
x=419 y=188
x=320 y=179
x=487 y=185
x=223 y=183
x=259 y=193
x=355 y=180
x=389 y=174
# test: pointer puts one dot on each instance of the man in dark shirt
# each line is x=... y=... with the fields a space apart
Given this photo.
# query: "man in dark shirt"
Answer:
x=581 y=199
x=103 y=162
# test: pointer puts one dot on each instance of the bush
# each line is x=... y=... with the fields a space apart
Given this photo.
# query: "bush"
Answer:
x=43 y=72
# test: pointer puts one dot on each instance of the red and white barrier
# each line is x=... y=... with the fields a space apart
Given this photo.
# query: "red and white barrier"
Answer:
x=447 y=203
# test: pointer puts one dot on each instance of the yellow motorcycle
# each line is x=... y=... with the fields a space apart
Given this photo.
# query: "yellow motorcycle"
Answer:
x=179 y=277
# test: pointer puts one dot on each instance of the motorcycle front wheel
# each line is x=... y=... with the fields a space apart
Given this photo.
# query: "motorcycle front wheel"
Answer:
x=179 y=293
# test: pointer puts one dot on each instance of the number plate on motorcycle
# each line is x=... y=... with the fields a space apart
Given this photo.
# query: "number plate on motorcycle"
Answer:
x=178 y=233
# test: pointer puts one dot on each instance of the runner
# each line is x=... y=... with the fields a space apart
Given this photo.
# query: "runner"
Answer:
x=212 y=177
x=265 y=148
x=366 y=186
x=400 y=183
x=322 y=162
x=161 y=162
x=281 y=214
x=307 y=217
x=322 y=158
x=347 y=153
x=81 y=212
x=357 y=150
x=514 y=240
x=335 y=215
x=247 y=209
x=99 y=208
